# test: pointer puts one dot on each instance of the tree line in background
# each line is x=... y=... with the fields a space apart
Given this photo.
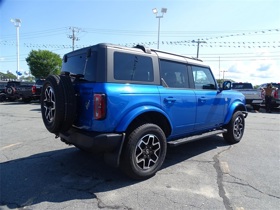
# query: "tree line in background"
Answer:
x=41 y=63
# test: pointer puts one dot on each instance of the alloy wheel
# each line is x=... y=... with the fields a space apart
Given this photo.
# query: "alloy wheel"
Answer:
x=147 y=151
x=49 y=104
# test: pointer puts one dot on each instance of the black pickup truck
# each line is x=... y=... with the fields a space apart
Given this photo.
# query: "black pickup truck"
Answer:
x=19 y=90
x=2 y=90
x=36 y=89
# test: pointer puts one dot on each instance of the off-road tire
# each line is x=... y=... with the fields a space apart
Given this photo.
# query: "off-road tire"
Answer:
x=235 y=128
x=52 y=103
x=58 y=103
x=70 y=102
x=3 y=97
x=144 y=151
x=10 y=91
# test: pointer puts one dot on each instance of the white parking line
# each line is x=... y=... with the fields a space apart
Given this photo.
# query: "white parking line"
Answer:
x=224 y=167
x=9 y=146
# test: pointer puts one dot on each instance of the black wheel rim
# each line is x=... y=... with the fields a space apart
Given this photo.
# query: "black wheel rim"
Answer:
x=9 y=91
x=147 y=152
x=49 y=104
x=238 y=127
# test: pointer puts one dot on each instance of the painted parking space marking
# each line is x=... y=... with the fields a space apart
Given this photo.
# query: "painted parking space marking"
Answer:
x=224 y=167
x=11 y=145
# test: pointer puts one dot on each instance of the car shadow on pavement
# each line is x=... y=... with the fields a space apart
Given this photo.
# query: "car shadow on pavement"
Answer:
x=20 y=103
x=192 y=149
x=56 y=176
x=70 y=174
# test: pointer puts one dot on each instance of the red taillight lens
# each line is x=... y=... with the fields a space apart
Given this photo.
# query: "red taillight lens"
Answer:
x=33 y=89
x=99 y=103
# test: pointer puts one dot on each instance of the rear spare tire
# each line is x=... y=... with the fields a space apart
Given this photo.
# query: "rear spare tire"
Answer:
x=52 y=103
x=70 y=103
x=58 y=103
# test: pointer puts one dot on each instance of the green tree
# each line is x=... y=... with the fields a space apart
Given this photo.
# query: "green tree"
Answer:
x=27 y=78
x=43 y=62
x=7 y=76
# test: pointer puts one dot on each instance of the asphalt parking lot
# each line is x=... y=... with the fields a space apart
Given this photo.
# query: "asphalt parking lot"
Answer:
x=38 y=171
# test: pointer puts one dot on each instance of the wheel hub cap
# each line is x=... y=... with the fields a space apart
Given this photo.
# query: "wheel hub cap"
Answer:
x=147 y=151
x=49 y=104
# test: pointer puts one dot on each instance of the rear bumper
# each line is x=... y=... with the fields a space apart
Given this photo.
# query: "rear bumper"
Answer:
x=92 y=141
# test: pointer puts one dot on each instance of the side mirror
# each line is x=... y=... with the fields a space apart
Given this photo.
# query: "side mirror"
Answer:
x=226 y=85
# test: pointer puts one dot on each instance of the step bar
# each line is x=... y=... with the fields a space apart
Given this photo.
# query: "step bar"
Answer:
x=195 y=137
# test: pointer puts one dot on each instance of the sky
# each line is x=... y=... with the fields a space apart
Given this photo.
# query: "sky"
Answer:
x=242 y=37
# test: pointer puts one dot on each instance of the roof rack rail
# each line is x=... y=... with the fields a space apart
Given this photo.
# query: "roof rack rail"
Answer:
x=195 y=58
x=142 y=47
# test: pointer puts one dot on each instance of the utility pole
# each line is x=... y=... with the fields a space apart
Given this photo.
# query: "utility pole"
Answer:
x=198 y=42
x=73 y=36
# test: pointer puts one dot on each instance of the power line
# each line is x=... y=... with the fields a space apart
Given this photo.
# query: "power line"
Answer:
x=200 y=34
x=37 y=34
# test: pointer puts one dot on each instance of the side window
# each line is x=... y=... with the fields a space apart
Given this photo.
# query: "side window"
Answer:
x=131 y=67
x=173 y=74
x=203 y=78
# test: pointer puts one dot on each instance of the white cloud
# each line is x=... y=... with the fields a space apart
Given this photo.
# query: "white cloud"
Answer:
x=257 y=71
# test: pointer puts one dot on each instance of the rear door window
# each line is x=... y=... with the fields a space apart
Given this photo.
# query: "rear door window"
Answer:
x=133 y=67
x=173 y=74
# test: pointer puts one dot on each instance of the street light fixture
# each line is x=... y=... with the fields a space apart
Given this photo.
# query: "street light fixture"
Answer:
x=17 y=23
x=163 y=10
x=198 y=42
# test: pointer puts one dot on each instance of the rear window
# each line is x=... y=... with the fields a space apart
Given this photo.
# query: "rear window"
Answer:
x=131 y=67
x=242 y=86
x=40 y=82
x=83 y=63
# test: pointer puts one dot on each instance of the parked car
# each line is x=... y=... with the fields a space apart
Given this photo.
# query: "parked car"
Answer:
x=19 y=90
x=3 y=95
x=130 y=103
x=275 y=102
x=36 y=89
x=252 y=96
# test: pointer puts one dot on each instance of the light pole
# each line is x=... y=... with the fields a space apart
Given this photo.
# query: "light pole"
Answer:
x=17 y=23
x=163 y=10
x=198 y=42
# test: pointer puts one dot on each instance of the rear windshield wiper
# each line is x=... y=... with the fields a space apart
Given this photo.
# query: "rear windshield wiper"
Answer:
x=76 y=76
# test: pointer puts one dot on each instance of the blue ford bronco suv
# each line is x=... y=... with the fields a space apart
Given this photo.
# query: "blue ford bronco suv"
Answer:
x=130 y=103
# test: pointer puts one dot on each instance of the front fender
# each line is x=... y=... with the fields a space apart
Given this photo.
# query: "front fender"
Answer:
x=237 y=105
x=131 y=115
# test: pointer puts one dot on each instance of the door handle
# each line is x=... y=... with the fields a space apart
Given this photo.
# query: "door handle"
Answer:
x=202 y=100
x=169 y=100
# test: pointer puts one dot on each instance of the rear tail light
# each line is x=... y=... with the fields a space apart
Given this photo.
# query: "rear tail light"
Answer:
x=33 y=89
x=275 y=94
x=99 y=109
